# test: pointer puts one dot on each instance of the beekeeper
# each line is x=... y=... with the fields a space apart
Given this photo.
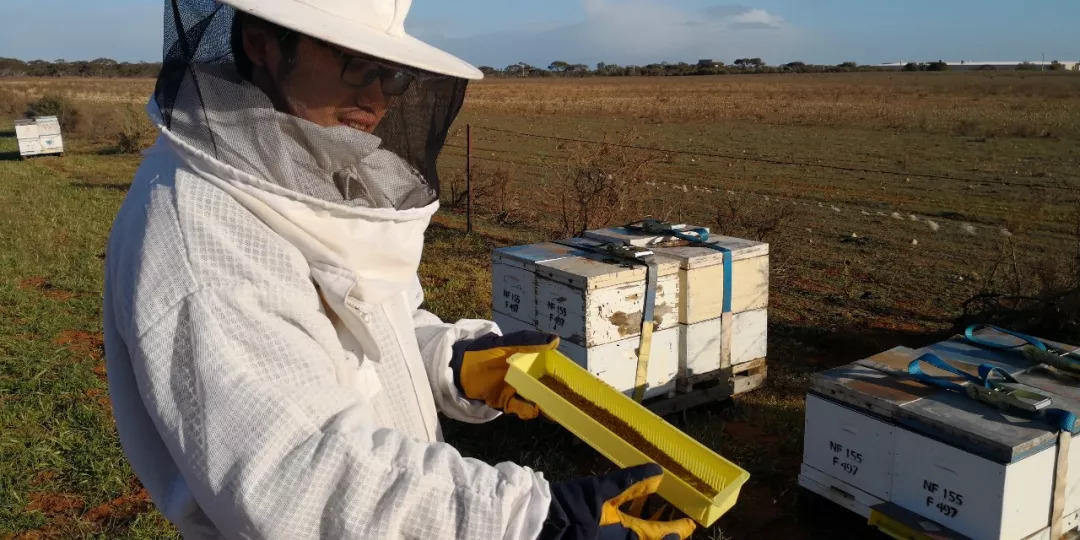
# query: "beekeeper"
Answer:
x=271 y=372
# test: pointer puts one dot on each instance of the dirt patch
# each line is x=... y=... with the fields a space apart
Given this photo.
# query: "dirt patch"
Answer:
x=46 y=288
x=55 y=504
x=34 y=283
x=42 y=478
x=90 y=344
x=746 y=432
x=120 y=508
x=63 y=512
x=101 y=397
x=761 y=511
x=629 y=434
x=99 y=370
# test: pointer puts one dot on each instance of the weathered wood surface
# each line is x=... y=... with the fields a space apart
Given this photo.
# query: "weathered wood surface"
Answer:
x=701 y=342
x=600 y=316
x=616 y=363
x=690 y=257
x=592 y=270
x=513 y=277
x=702 y=271
x=702 y=293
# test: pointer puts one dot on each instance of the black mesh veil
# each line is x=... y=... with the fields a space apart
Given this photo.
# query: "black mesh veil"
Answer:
x=202 y=99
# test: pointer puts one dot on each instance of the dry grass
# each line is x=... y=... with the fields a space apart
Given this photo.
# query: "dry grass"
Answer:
x=972 y=104
x=88 y=90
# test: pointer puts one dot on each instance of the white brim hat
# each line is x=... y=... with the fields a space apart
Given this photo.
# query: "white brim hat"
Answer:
x=373 y=27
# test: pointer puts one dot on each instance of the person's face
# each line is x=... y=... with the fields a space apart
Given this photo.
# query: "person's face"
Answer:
x=311 y=87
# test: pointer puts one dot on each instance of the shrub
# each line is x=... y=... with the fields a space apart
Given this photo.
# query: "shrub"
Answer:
x=60 y=107
x=1041 y=297
x=11 y=103
x=135 y=133
x=601 y=186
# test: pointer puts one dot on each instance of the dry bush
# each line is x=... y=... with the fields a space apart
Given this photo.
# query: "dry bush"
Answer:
x=135 y=133
x=601 y=185
x=59 y=106
x=1040 y=295
x=493 y=193
x=11 y=103
x=752 y=216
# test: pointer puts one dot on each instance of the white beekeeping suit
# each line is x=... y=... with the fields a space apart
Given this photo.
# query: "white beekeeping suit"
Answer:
x=271 y=372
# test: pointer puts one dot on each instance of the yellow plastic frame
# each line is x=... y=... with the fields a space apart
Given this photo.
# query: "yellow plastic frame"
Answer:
x=524 y=375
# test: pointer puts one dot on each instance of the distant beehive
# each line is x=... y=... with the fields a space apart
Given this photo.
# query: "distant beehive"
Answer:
x=595 y=303
x=39 y=136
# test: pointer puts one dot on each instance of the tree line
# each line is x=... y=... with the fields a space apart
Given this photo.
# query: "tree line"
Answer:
x=560 y=68
x=101 y=67
x=106 y=67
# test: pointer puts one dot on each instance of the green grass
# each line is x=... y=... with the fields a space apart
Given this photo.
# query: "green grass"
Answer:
x=61 y=468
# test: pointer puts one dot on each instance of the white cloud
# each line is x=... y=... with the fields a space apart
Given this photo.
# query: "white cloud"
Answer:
x=634 y=32
x=756 y=18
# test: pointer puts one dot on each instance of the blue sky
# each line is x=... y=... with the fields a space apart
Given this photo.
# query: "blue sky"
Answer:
x=500 y=32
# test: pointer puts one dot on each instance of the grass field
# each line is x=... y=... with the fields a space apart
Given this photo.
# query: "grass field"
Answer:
x=888 y=199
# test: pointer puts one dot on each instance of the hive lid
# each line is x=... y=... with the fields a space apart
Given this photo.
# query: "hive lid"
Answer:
x=880 y=386
x=26 y=129
x=528 y=255
x=591 y=270
x=689 y=257
x=48 y=125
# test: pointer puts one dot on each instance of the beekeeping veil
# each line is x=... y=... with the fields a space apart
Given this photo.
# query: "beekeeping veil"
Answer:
x=202 y=98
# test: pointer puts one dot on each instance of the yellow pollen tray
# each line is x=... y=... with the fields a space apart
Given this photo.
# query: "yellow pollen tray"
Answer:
x=706 y=466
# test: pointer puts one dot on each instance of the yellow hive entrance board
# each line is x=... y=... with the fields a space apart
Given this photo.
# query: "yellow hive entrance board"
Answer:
x=722 y=476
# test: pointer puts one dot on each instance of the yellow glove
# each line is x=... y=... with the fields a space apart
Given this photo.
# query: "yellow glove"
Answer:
x=591 y=508
x=480 y=368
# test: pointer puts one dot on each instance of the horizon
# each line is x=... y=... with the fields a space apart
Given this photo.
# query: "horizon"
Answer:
x=626 y=32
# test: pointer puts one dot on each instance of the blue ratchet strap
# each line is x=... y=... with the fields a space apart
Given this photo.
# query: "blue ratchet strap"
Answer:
x=643 y=257
x=1042 y=352
x=994 y=386
x=969 y=334
x=697 y=237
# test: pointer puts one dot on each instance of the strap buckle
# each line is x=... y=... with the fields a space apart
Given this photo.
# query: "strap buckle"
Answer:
x=1009 y=396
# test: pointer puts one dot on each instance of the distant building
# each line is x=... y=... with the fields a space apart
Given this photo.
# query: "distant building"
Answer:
x=965 y=65
x=708 y=62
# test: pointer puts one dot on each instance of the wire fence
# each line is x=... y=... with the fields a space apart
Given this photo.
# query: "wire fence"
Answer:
x=1062 y=191
x=772 y=161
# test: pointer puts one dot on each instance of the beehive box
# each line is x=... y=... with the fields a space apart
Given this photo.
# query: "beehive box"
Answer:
x=595 y=304
x=876 y=438
x=39 y=136
x=701 y=298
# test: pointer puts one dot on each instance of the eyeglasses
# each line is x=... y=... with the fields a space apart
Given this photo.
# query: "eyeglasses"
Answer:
x=362 y=71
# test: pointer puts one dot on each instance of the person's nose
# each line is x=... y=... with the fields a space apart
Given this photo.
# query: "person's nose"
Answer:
x=372 y=97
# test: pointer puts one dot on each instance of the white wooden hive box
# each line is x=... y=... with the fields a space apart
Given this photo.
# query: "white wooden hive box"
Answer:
x=615 y=363
x=970 y=467
x=701 y=271
x=593 y=300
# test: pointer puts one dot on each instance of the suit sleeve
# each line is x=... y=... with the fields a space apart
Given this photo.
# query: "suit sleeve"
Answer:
x=436 y=340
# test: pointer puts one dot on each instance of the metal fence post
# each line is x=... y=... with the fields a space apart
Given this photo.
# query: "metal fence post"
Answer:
x=468 y=178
